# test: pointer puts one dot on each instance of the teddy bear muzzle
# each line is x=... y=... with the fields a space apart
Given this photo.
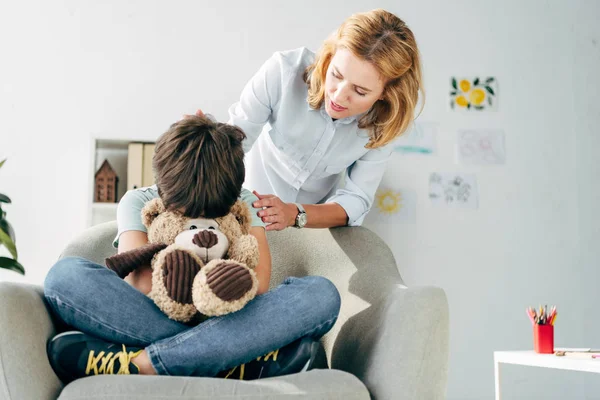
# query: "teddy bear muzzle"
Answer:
x=207 y=244
x=206 y=239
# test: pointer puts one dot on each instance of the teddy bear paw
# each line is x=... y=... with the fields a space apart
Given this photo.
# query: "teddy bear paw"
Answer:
x=223 y=287
x=172 y=279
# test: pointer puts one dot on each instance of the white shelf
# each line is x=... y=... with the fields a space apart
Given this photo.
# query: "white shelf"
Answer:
x=533 y=359
x=106 y=206
x=115 y=151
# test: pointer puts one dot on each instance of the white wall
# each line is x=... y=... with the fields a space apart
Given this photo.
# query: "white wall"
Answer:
x=586 y=82
x=73 y=70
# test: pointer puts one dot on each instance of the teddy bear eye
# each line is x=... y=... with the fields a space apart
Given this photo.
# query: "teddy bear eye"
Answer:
x=211 y=227
x=193 y=227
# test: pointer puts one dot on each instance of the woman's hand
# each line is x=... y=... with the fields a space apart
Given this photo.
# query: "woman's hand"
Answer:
x=199 y=113
x=277 y=214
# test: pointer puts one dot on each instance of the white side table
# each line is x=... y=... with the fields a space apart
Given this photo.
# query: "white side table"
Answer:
x=533 y=359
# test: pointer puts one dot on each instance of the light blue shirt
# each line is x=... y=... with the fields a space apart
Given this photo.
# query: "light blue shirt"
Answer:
x=301 y=154
x=129 y=210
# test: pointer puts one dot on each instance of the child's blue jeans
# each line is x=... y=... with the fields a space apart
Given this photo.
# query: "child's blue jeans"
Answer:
x=93 y=299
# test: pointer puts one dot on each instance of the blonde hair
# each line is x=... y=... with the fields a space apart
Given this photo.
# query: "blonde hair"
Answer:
x=384 y=40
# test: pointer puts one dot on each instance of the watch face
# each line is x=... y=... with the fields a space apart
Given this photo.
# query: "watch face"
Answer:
x=301 y=219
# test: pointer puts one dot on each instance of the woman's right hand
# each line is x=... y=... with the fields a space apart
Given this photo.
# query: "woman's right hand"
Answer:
x=199 y=113
x=275 y=212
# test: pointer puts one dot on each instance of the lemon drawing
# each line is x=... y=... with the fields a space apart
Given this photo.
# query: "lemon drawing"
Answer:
x=461 y=101
x=465 y=85
x=388 y=201
x=477 y=96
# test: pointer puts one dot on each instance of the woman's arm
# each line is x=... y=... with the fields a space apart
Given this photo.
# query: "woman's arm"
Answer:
x=348 y=206
x=324 y=215
x=280 y=215
x=257 y=100
x=361 y=183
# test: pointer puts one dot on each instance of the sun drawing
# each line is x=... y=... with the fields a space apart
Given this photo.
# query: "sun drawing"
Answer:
x=388 y=201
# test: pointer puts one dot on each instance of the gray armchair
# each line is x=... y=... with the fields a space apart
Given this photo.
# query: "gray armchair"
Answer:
x=390 y=342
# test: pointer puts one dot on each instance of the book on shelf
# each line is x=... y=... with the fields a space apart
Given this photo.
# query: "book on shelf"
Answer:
x=139 y=165
x=147 y=173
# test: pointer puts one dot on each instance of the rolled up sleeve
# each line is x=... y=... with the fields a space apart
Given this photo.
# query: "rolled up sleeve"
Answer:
x=259 y=97
x=363 y=178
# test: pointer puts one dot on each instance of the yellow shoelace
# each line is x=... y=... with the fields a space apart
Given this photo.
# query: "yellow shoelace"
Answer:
x=242 y=367
x=274 y=353
x=107 y=362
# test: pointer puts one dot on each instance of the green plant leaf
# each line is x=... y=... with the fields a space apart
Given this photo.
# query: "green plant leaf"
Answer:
x=4 y=198
x=9 y=263
x=489 y=100
x=452 y=104
x=6 y=227
x=489 y=80
x=454 y=83
x=490 y=90
x=453 y=93
x=468 y=106
x=476 y=82
x=8 y=242
x=478 y=107
x=2 y=162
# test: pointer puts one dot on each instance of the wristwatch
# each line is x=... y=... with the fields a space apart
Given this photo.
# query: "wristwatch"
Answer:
x=301 y=217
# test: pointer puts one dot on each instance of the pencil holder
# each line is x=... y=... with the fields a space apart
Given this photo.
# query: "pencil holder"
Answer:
x=543 y=338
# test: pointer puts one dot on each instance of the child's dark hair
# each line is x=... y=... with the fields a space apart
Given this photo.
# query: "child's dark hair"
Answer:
x=199 y=167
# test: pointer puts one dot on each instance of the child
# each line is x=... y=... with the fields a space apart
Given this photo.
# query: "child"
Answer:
x=199 y=168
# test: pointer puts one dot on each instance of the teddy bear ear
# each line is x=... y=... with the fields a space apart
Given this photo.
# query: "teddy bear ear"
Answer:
x=241 y=212
x=151 y=210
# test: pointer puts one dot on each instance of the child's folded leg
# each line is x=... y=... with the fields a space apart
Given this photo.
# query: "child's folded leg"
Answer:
x=93 y=299
x=299 y=308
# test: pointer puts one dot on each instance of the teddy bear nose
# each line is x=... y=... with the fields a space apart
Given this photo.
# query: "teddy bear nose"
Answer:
x=206 y=239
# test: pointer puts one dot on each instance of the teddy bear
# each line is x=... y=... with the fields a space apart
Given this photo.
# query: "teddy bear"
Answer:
x=200 y=267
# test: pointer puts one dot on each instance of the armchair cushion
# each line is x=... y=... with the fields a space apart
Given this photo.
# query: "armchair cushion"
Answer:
x=314 y=385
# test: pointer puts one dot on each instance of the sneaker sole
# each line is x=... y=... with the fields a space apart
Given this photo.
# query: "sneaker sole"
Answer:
x=66 y=334
x=314 y=349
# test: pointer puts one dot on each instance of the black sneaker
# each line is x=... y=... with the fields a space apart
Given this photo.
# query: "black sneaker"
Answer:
x=297 y=356
x=76 y=355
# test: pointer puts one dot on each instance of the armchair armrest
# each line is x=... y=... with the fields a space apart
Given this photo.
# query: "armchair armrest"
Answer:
x=25 y=326
x=398 y=347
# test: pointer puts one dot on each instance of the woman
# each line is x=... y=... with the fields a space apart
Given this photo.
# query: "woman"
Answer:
x=331 y=116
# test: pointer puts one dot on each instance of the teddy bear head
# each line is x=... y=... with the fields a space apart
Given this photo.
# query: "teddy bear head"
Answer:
x=208 y=238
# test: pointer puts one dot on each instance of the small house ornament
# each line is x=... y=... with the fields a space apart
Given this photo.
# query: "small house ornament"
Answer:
x=106 y=184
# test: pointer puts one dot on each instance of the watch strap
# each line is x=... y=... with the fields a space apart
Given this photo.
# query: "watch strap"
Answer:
x=300 y=208
x=300 y=212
